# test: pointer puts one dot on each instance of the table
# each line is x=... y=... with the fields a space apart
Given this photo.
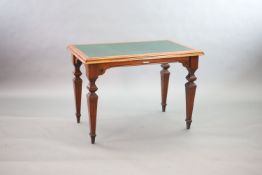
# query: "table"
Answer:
x=97 y=58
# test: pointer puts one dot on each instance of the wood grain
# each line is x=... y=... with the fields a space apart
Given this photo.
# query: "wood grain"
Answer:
x=164 y=73
x=190 y=88
x=77 y=82
x=92 y=99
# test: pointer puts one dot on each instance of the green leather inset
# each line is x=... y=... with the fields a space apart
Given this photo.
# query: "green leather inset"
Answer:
x=130 y=48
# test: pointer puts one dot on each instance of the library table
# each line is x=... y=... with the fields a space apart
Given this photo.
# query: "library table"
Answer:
x=97 y=58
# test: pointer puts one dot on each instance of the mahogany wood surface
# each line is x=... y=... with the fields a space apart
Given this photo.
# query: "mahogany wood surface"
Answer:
x=92 y=98
x=77 y=82
x=190 y=88
x=164 y=84
x=96 y=66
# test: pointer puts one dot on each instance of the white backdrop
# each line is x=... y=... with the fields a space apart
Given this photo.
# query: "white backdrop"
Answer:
x=38 y=134
x=34 y=36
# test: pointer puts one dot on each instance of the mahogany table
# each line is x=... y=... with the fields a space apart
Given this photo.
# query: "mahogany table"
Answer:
x=97 y=58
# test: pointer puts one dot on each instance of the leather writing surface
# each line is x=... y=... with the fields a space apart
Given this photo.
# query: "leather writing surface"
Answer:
x=130 y=48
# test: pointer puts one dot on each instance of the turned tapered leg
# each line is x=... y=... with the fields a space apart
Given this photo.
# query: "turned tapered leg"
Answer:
x=77 y=82
x=92 y=73
x=92 y=99
x=164 y=73
x=190 y=88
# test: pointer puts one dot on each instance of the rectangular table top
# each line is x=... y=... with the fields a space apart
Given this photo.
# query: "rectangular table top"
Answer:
x=113 y=52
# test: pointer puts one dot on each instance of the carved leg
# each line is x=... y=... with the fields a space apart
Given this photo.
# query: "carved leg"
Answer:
x=92 y=99
x=190 y=88
x=77 y=82
x=164 y=73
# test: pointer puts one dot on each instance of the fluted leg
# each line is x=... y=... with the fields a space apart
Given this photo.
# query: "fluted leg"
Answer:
x=190 y=88
x=164 y=73
x=77 y=82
